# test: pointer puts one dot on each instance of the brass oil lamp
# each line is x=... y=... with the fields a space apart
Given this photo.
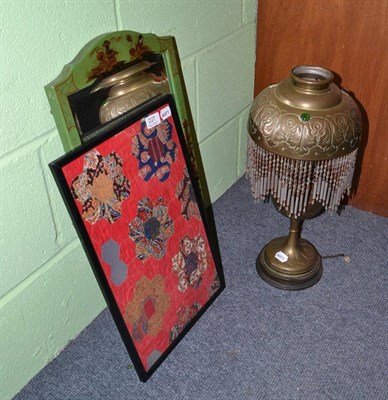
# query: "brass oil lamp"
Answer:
x=302 y=147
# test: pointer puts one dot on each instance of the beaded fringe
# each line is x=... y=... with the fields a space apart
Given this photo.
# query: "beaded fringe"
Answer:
x=296 y=183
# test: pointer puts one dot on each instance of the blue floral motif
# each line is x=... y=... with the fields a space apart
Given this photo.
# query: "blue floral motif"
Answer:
x=155 y=150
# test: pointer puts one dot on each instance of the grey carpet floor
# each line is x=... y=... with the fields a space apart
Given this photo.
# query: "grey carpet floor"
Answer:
x=255 y=341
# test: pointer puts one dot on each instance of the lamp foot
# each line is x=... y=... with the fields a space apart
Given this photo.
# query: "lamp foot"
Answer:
x=288 y=268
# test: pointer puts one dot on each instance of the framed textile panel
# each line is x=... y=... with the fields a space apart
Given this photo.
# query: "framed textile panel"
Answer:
x=137 y=209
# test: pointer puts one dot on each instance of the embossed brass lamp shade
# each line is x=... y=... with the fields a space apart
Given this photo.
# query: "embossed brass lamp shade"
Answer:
x=302 y=147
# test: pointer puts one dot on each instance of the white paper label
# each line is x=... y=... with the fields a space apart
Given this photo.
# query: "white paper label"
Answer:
x=152 y=120
x=281 y=256
x=165 y=113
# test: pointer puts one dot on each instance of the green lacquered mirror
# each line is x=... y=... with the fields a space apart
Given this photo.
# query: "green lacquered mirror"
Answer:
x=74 y=100
x=100 y=71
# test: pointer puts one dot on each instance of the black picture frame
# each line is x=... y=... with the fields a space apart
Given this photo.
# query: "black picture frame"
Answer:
x=110 y=135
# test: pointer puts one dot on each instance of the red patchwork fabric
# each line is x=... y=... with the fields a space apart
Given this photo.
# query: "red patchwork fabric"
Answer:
x=138 y=206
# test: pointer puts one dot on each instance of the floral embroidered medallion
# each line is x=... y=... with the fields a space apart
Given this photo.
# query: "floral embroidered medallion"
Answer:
x=155 y=150
x=214 y=286
x=185 y=193
x=183 y=316
x=146 y=311
x=101 y=187
x=191 y=262
x=151 y=228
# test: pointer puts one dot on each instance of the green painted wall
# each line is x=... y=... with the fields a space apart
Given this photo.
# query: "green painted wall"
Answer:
x=47 y=291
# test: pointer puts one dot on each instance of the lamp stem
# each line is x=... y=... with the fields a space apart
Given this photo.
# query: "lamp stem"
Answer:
x=292 y=243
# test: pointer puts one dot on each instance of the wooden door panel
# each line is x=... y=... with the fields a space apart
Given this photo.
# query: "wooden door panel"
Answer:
x=349 y=37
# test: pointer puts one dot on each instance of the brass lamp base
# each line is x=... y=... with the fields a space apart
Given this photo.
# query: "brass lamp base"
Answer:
x=290 y=263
